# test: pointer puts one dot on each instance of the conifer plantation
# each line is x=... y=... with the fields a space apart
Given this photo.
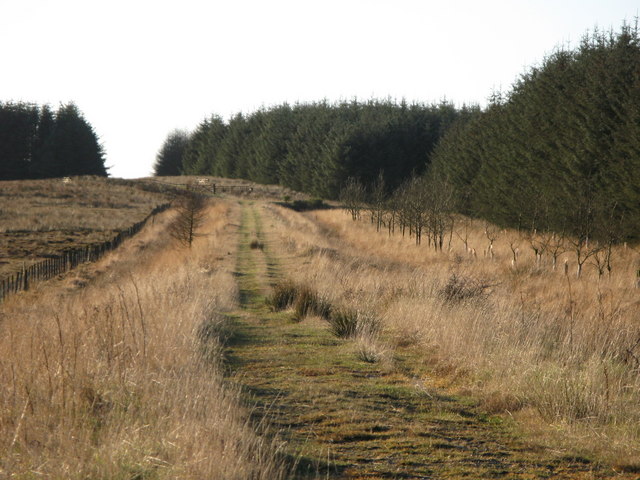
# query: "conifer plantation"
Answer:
x=558 y=152
x=316 y=147
x=561 y=150
x=37 y=143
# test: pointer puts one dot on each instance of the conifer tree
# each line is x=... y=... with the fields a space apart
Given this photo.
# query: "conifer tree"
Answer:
x=170 y=157
x=42 y=163
x=74 y=146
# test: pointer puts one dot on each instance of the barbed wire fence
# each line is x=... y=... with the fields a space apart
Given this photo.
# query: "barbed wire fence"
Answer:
x=69 y=259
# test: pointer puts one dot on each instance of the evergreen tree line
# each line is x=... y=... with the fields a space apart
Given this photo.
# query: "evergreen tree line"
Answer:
x=312 y=147
x=36 y=142
x=559 y=152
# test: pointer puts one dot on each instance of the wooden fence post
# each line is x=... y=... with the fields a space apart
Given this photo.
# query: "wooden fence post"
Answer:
x=70 y=259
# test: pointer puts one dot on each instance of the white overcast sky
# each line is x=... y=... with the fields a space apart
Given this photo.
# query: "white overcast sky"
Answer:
x=137 y=69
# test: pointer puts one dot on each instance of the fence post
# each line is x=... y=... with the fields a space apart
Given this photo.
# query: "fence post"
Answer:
x=70 y=259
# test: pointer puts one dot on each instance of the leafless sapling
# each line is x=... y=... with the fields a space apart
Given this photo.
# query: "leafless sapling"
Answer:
x=189 y=217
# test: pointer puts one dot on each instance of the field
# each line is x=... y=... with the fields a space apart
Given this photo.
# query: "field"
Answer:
x=41 y=218
x=306 y=345
x=237 y=187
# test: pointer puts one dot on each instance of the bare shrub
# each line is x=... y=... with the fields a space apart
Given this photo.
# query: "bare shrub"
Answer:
x=352 y=197
x=458 y=289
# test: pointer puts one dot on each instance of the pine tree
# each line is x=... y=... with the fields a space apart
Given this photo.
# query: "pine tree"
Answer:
x=18 y=123
x=75 y=149
x=42 y=163
x=169 y=158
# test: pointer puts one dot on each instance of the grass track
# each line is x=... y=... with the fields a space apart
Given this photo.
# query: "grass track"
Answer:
x=344 y=418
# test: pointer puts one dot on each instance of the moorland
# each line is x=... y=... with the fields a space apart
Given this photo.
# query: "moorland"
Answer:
x=307 y=344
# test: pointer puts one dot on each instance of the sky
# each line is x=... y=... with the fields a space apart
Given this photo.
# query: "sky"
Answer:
x=139 y=69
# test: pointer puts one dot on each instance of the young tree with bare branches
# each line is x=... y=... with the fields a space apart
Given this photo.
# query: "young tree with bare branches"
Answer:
x=190 y=217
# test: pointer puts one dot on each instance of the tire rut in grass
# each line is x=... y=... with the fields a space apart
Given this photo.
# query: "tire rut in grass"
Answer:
x=344 y=418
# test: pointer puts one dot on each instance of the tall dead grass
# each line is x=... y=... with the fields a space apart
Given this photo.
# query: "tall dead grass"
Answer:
x=85 y=203
x=122 y=378
x=545 y=346
x=44 y=218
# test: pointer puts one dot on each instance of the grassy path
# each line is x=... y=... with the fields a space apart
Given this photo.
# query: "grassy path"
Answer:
x=344 y=418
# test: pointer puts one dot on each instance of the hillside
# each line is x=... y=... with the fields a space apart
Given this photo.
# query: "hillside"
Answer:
x=41 y=219
x=289 y=344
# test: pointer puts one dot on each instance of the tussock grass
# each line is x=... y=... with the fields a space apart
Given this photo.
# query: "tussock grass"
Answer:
x=347 y=322
x=548 y=347
x=283 y=296
x=122 y=378
x=343 y=322
x=256 y=245
x=371 y=349
x=304 y=300
x=309 y=302
x=212 y=334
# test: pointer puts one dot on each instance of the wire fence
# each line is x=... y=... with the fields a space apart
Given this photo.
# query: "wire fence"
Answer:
x=69 y=259
x=204 y=187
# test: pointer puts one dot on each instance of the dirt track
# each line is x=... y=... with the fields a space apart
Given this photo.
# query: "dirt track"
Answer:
x=345 y=418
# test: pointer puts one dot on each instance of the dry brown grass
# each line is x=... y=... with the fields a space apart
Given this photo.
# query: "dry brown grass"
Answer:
x=117 y=376
x=40 y=218
x=121 y=378
x=537 y=343
x=257 y=190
